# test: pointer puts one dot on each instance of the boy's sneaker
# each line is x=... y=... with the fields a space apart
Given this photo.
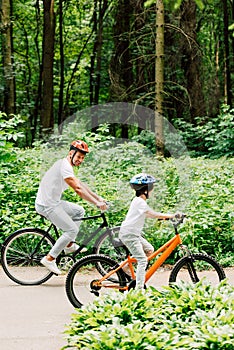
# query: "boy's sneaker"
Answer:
x=50 y=265
x=73 y=248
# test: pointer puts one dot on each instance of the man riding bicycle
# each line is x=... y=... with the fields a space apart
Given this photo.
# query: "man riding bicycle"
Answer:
x=63 y=214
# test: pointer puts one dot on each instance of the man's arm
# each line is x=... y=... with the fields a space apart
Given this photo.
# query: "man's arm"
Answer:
x=85 y=193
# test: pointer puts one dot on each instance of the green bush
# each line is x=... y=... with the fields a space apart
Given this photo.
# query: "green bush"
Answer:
x=214 y=138
x=183 y=317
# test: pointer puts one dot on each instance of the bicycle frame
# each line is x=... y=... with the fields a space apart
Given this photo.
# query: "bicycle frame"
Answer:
x=165 y=250
x=94 y=233
x=90 y=237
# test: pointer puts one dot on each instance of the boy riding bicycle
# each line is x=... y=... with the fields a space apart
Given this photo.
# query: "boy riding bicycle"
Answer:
x=131 y=228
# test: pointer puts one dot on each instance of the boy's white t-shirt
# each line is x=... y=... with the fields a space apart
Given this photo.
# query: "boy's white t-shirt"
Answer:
x=135 y=218
x=53 y=185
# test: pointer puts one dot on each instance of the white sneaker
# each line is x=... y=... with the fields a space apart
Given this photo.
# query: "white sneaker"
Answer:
x=51 y=265
x=73 y=248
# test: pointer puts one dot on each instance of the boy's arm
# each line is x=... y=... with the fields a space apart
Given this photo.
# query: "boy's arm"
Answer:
x=85 y=193
x=155 y=215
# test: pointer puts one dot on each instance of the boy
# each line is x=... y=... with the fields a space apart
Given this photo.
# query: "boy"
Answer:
x=131 y=228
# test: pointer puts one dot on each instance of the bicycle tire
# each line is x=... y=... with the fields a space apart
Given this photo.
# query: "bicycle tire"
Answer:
x=105 y=245
x=81 y=277
x=195 y=268
x=21 y=253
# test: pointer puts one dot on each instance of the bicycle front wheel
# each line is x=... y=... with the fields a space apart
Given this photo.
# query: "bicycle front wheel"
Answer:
x=82 y=282
x=196 y=268
x=21 y=254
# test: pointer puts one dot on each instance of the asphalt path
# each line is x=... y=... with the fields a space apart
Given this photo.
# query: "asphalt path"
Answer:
x=35 y=317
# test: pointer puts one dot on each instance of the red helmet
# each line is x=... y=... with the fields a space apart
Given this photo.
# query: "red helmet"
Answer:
x=79 y=145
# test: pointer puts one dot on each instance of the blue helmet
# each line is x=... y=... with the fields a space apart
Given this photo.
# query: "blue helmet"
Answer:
x=142 y=183
x=142 y=179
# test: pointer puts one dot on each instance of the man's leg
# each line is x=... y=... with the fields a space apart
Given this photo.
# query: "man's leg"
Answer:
x=59 y=217
x=66 y=217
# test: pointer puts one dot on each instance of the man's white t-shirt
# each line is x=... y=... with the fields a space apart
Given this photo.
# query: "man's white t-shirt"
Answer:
x=53 y=185
x=135 y=218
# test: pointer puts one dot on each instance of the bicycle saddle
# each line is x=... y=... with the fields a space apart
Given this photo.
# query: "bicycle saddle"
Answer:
x=117 y=242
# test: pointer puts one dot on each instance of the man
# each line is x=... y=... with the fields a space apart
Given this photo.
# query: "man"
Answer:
x=63 y=214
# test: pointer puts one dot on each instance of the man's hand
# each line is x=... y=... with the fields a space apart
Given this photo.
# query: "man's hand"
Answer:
x=179 y=215
x=102 y=205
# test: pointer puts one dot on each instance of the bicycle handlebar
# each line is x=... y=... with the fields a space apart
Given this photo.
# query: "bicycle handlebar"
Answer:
x=178 y=219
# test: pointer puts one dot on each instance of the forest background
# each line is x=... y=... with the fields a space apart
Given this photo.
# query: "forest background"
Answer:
x=175 y=58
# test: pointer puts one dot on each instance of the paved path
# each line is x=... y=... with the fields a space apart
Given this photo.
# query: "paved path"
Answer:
x=34 y=318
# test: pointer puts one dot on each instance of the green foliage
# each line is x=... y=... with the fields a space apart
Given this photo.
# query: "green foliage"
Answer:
x=215 y=138
x=9 y=134
x=183 y=317
x=19 y=183
x=202 y=188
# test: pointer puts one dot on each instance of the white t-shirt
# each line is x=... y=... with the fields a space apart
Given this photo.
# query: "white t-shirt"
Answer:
x=53 y=185
x=135 y=218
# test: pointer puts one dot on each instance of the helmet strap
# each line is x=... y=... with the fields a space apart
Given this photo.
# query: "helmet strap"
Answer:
x=146 y=193
x=72 y=158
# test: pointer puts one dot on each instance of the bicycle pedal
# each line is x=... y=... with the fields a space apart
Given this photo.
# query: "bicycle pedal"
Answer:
x=95 y=293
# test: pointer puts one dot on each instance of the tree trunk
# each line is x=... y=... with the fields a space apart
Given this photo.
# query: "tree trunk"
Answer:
x=7 y=48
x=96 y=58
x=159 y=78
x=227 y=71
x=61 y=85
x=47 y=120
x=191 y=61
x=121 y=67
x=140 y=60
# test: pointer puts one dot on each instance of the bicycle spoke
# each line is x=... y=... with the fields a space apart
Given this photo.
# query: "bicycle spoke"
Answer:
x=21 y=257
x=82 y=284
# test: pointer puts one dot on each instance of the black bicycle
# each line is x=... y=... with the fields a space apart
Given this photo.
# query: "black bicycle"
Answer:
x=22 y=251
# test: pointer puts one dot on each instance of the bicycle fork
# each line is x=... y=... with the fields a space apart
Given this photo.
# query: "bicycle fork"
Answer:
x=190 y=263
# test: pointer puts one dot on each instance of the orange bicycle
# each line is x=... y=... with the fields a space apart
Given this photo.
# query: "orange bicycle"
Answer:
x=98 y=274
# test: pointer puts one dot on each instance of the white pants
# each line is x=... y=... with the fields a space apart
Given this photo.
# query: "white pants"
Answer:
x=65 y=216
x=138 y=247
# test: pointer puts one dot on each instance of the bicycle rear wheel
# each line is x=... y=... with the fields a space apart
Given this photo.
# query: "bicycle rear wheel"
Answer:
x=81 y=281
x=197 y=267
x=106 y=244
x=21 y=254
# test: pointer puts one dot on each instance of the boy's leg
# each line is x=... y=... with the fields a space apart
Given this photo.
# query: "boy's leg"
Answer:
x=147 y=247
x=136 y=249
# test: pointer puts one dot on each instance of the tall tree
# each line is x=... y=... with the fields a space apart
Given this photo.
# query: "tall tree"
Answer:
x=159 y=77
x=227 y=70
x=47 y=118
x=121 y=67
x=100 y=8
x=191 y=59
x=61 y=49
x=7 y=54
